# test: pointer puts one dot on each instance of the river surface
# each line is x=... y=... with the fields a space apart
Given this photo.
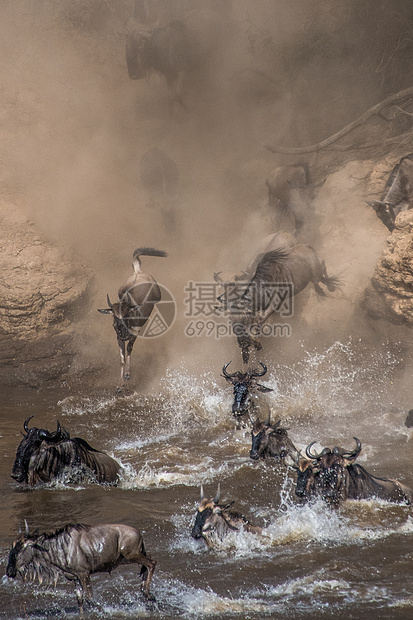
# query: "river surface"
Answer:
x=311 y=562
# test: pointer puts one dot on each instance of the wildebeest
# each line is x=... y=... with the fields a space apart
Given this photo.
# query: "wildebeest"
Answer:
x=277 y=241
x=272 y=441
x=137 y=299
x=332 y=476
x=409 y=420
x=245 y=384
x=279 y=275
x=159 y=172
x=76 y=552
x=160 y=175
x=214 y=521
x=397 y=196
x=290 y=195
x=169 y=51
x=43 y=456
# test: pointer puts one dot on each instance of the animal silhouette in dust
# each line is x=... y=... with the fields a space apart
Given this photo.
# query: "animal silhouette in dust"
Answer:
x=159 y=176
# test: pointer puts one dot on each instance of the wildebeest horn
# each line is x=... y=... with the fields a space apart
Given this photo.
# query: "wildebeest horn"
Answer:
x=26 y=423
x=55 y=436
x=218 y=278
x=257 y=373
x=315 y=456
x=202 y=492
x=109 y=302
x=226 y=374
x=26 y=527
x=218 y=495
x=354 y=453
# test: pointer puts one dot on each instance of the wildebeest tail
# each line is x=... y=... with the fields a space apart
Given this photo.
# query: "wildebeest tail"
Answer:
x=332 y=282
x=148 y=252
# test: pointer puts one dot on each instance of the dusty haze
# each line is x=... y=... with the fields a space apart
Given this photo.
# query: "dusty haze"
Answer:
x=74 y=129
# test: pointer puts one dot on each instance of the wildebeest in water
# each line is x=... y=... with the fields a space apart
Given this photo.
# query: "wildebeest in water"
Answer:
x=214 y=521
x=245 y=385
x=398 y=193
x=136 y=300
x=170 y=51
x=279 y=276
x=43 y=456
x=332 y=476
x=76 y=552
x=272 y=441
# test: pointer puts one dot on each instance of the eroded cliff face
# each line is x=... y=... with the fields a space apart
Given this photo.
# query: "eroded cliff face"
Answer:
x=43 y=294
x=390 y=294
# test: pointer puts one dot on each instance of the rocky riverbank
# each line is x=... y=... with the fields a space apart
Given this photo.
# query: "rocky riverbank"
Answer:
x=43 y=294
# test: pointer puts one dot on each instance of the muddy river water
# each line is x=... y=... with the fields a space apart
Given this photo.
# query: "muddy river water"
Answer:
x=310 y=562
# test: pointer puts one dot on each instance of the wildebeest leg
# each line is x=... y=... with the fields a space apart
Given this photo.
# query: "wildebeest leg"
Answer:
x=84 y=591
x=177 y=89
x=139 y=556
x=121 y=344
x=319 y=274
x=147 y=575
x=129 y=348
x=319 y=290
x=299 y=223
x=276 y=216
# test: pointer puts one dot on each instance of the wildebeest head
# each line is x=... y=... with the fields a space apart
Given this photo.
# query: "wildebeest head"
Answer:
x=214 y=521
x=244 y=384
x=138 y=52
x=384 y=212
x=121 y=312
x=30 y=444
x=270 y=440
x=206 y=515
x=22 y=554
x=325 y=474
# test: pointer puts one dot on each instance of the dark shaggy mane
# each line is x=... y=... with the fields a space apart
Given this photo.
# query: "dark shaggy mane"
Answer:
x=268 y=261
x=85 y=445
x=67 y=529
x=232 y=514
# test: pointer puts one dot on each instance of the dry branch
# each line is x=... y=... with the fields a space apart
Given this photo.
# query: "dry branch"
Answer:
x=396 y=98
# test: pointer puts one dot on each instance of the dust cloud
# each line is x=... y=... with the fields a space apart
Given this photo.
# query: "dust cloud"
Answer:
x=75 y=128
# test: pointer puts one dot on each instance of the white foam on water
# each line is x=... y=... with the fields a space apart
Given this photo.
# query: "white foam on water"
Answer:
x=148 y=476
x=199 y=602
